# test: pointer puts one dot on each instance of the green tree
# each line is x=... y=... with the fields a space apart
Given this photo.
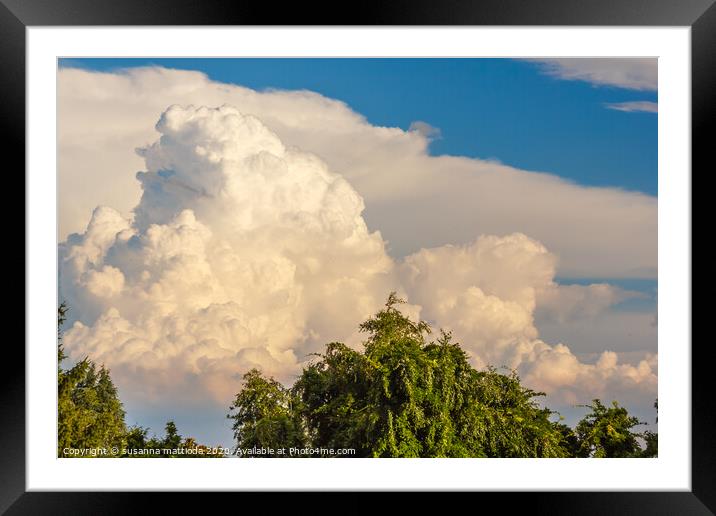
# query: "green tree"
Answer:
x=607 y=432
x=401 y=397
x=172 y=439
x=172 y=445
x=651 y=439
x=569 y=442
x=61 y=318
x=507 y=421
x=264 y=415
x=90 y=414
x=651 y=445
x=136 y=438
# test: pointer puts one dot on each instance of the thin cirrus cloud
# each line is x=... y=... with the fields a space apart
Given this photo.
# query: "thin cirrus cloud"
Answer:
x=639 y=74
x=642 y=106
x=628 y=73
x=245 y=252
x=416 y=200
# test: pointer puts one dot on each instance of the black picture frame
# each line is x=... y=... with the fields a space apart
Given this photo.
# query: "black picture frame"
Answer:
x=16 y=15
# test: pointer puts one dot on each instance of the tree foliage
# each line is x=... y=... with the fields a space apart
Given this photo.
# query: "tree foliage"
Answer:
x=607 y=432
x=405 y=396
x=651 y=439
x=264 y=415
x=90 y=414
x=172 y=445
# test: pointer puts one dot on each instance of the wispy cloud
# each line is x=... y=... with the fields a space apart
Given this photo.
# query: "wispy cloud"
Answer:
x=628 y=73
x=643 y=106
x=426 y=130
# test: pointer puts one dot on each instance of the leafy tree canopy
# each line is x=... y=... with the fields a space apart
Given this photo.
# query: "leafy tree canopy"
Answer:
x=403 y=396
x=265 y=415
x=90 y=414
x=607 y=432
x=172 y=445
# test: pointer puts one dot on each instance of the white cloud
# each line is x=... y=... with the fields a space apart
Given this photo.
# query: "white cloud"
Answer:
x=557 y=370
x=415 y=199
x=487 y=294
x=643 y=106
x=244 y=252
x=629 y=73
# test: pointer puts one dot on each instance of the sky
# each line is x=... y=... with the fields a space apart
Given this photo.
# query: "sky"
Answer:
x=520 y=193
x=479 y=106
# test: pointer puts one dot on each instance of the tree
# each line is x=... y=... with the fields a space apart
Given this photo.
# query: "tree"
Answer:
x=61 y=318
x=264 y=415
x=651 y=439
x=607 y=432
x=507 y=421
x=136 y=439
x=90 y=414
x=569 y=442
x=401 y=397
x=170 y=446
x=172 y=439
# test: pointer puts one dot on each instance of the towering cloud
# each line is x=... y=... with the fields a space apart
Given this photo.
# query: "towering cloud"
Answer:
x=416 y=200
x=244 y=252
x=241 y=253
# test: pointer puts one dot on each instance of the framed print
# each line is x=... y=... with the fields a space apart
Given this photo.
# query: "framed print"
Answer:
x=423 y=249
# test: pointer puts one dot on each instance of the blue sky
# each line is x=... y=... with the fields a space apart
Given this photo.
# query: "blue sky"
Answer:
x=501 y=109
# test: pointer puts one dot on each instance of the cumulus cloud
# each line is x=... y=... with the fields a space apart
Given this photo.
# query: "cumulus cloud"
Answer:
x=642 y=106
x=557 y=370
x=245 y=252
x=416 y=200
x=626 y=72
x=487 y=293
x=241 y=253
